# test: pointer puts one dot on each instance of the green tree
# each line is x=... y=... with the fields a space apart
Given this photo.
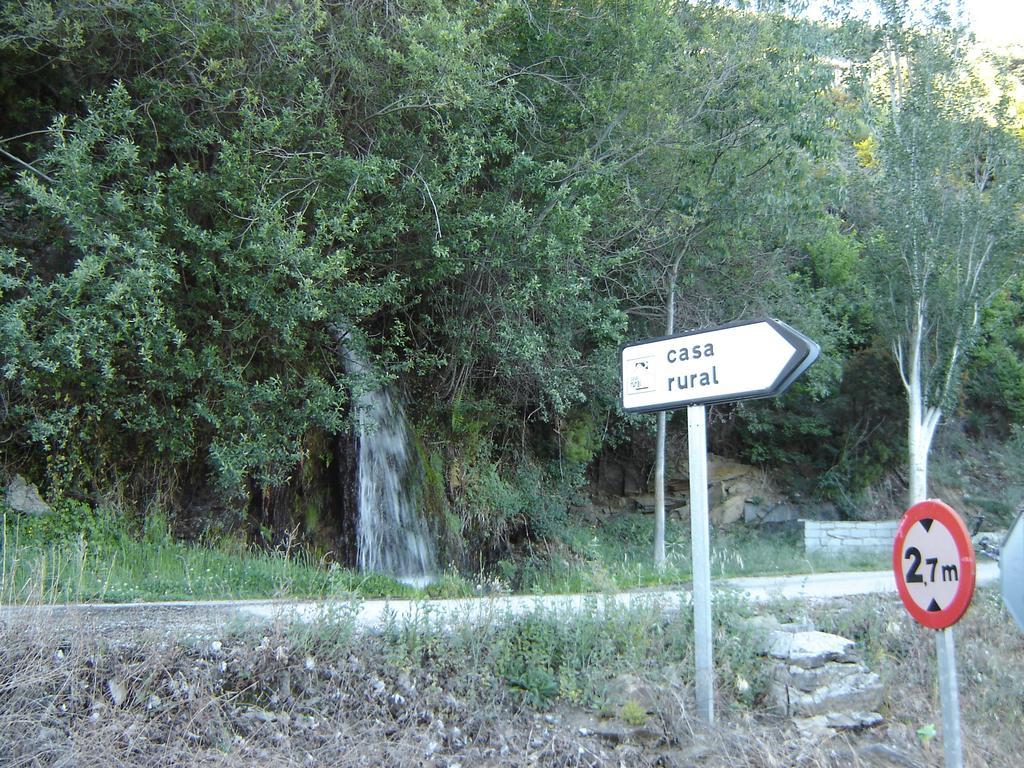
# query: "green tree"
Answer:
x=941 y=210
x=727 y=191
x=206 y=192
x=995 y=381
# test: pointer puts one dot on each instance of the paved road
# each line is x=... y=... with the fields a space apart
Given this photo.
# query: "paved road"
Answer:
x=205 y=617
x=824 y=585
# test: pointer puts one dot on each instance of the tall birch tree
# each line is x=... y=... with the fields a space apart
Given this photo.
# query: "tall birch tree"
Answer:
x=942 y=211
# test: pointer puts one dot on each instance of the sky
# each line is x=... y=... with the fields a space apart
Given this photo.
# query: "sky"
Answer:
x=995 y=22
x=998 y=22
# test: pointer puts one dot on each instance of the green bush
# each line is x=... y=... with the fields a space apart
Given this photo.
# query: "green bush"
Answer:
x=212 y=209
x=995 y=371
x=68 y=522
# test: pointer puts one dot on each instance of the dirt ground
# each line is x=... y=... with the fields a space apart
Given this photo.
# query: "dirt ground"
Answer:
x=186 y=690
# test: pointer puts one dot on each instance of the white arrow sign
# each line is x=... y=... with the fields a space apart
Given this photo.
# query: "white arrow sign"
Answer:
x=739 y=361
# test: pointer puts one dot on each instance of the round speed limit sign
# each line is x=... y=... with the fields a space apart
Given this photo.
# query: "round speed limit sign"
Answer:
x=933 y=559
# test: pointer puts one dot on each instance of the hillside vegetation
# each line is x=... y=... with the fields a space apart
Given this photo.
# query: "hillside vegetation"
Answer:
x=205 y=207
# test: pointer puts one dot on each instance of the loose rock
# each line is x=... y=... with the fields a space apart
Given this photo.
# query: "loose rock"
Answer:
x=24 y=498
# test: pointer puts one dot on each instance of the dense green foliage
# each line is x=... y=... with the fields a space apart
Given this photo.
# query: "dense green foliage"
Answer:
x=204 y=204
x=996 y=384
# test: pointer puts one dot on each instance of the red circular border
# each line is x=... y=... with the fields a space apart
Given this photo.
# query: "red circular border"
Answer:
x=946 y=516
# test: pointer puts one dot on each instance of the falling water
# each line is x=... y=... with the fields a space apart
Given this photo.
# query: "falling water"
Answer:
x=391 y=536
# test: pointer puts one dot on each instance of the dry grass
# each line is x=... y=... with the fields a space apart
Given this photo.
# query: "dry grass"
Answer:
x=990 y=662
x=95 y=695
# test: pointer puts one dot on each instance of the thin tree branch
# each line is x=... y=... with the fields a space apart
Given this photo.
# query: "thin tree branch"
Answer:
x=28 y=166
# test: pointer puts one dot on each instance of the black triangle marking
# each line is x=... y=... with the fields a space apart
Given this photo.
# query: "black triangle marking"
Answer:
x=933 y=606
x=927 y=523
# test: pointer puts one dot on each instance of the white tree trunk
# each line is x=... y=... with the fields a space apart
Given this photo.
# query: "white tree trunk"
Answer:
x=923 y=422
x=923 y=418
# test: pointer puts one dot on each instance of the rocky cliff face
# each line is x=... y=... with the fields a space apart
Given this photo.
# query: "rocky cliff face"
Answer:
x=624 y=484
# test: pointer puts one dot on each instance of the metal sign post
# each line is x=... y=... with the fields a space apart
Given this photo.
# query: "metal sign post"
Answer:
x=934 y=564
x=700 y=547
x=739 y=361
x=949 y=694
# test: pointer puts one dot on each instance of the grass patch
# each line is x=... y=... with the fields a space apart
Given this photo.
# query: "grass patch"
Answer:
x=617 y=555
x=412 y=694
x=79 y=555
x=990 y=672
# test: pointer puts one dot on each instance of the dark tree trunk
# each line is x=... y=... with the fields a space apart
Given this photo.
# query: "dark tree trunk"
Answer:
x=344 y=479
x=271 y=508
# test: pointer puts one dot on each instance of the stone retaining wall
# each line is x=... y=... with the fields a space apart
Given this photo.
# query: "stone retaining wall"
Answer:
x=844 y=536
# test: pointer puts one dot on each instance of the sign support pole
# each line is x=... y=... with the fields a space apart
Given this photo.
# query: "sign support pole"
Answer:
x=933 y=561
x=738 y=361
x=949 y=693
x=701 y=561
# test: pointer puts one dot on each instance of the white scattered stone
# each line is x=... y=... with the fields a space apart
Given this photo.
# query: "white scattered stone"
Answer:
x=812 y=727
x=856 y=691
x=802 y=624
x=809 y=649
x=23 y=497
x=853 y=720
x=117 y=690
x=820 y=685
x=810 y=679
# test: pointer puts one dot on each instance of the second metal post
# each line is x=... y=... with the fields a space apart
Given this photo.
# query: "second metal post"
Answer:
x=949 y=692
x=700 y=541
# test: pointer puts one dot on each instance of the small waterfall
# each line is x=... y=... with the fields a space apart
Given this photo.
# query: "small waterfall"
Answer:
x=391 y=536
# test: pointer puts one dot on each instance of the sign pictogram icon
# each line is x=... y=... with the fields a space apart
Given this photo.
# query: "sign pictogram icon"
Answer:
x=934 y=563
